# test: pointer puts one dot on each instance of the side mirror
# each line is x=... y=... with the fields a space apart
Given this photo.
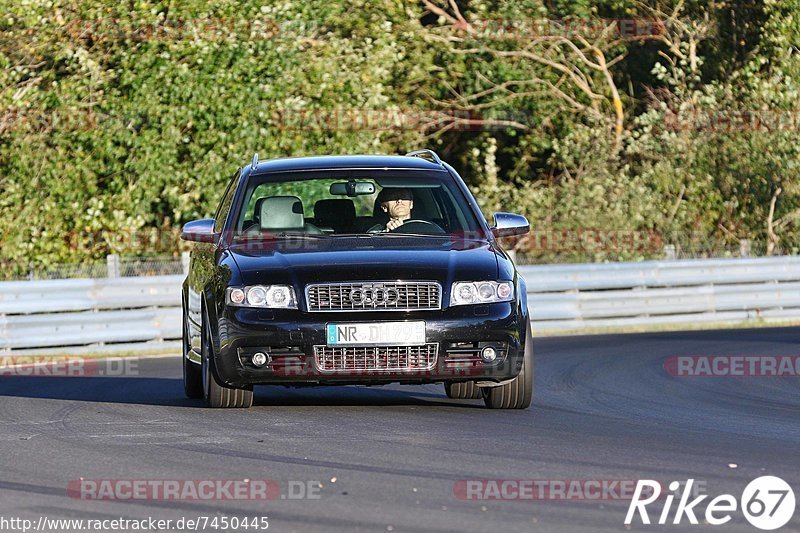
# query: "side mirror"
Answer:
x=199 y=231
x=508 y=224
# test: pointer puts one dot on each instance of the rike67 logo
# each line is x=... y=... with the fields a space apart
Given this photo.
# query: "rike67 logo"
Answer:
x=767 y=503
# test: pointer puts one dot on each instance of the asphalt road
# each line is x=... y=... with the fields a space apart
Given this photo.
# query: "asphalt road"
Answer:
x=388 y=458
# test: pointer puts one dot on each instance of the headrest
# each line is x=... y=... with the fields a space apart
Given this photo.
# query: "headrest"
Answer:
x=335 y=210
x=281 y=213
x=257 y=208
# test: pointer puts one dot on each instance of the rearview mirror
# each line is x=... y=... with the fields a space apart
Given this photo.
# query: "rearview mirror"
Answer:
x=508 y=224
x=199 y=231
x=352 y=188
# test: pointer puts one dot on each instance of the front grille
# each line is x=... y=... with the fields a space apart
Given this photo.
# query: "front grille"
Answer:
x=375 y=296
x=371 y=358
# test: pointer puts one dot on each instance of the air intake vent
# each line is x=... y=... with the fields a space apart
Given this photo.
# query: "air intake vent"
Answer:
x=375 y=358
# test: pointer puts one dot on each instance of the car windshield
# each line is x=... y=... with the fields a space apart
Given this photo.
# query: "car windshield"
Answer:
x=353 y=202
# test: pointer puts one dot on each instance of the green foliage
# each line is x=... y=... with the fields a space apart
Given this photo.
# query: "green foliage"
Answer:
x=118 y=118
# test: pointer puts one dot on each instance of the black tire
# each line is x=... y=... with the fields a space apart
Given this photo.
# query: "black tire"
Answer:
x=216 y=394
x=463 y=391
x=192 y=372
x=517 y=394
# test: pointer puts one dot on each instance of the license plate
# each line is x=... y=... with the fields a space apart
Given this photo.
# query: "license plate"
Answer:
x=376 y=334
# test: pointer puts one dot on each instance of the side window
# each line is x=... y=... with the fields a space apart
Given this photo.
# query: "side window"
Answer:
x=452 y=218
x=225 y=205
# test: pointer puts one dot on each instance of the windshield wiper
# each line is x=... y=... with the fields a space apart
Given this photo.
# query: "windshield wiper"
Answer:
x=448 y=236
x=277 y=236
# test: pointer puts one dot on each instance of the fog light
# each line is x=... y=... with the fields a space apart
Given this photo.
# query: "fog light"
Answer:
x=260 y=359
x=488 y=354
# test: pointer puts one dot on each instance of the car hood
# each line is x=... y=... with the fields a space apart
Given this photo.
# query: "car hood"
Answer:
x=305 y=261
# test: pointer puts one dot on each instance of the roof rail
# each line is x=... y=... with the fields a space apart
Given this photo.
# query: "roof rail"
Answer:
x=426 y=154
x=255 y=161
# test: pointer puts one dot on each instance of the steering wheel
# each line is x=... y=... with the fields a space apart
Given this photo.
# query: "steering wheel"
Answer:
x=424 y=226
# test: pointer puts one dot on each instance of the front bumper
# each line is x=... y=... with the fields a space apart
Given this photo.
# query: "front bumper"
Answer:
x=289 y=338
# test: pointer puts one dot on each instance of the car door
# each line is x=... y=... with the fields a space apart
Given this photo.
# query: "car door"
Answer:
x=203 y=266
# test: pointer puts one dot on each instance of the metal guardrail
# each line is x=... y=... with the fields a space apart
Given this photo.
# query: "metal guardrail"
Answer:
x=80 y=312
x=84 y=312
x=663 y=293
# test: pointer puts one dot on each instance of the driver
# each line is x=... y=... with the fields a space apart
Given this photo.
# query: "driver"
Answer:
x=397 y=203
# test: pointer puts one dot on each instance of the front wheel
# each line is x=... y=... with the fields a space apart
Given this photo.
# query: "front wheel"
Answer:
x=517 y=394
x=463 y=391
x=217 y=394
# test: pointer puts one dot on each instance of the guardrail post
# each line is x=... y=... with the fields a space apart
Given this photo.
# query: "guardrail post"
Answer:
x=185 y=262
x=112 y=264
x=4 y=348
x=670 y=252
x=744 y=248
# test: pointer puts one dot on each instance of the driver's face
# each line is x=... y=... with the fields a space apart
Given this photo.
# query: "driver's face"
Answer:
x=398 y=208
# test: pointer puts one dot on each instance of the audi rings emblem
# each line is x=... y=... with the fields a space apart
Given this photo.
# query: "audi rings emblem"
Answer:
x=374 y=296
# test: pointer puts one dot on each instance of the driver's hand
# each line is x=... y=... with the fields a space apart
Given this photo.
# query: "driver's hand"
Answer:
x=393 y=223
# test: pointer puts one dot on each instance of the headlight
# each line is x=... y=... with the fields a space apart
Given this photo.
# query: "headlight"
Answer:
x=271 y=296
x=481 y=292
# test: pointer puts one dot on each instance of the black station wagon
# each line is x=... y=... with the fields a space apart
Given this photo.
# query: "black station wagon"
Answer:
x=363 y=270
